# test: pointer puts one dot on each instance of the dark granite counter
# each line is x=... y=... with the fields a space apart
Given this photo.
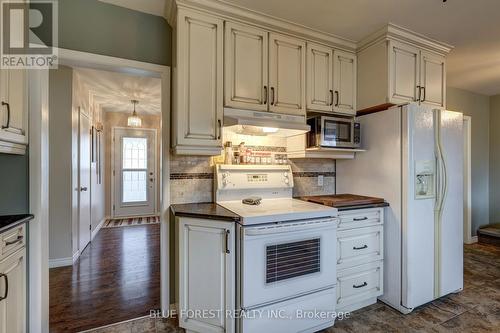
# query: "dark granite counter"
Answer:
x=211 y=211
x=10 y=221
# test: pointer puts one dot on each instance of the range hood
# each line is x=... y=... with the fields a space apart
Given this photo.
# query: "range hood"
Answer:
x=264 y=123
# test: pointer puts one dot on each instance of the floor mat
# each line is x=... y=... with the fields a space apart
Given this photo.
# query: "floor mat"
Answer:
x=115 y=223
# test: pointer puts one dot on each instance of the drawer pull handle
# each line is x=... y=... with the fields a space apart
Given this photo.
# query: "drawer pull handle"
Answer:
x=227 y=242
x=360 y=218
x=360 y=285
x=19 y=239
x=6 y=278
x=360 y=248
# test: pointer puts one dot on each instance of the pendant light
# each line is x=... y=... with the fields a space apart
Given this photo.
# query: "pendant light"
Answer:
x=134 y=120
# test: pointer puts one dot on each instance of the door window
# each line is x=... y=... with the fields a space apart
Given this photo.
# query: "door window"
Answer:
x=134 y=172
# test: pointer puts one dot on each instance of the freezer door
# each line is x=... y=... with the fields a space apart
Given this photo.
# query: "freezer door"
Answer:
x=450 y=272
x=419 y=178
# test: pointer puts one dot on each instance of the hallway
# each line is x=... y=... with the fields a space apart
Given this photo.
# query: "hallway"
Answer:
x=116 y=278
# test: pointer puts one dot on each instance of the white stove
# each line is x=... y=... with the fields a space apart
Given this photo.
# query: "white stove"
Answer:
x=286 y=251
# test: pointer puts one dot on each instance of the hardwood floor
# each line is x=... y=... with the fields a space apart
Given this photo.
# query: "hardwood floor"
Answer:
x=116 y=278
x=475 y=309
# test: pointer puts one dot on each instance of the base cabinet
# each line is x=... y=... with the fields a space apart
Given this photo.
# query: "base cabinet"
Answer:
x=13 y=293
x=206 y=274
x=359 y=258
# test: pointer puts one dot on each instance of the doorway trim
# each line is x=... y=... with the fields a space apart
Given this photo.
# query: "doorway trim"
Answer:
x=468 y=239
x=38 y=282
x=157 y=184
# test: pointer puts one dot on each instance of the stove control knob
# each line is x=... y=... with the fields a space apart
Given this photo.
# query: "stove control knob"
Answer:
x=225 y=174
x=285 y=174
x=287 y=181
x=224 y=182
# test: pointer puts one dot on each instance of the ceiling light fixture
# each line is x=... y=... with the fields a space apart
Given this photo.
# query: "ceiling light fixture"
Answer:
x=134 y=120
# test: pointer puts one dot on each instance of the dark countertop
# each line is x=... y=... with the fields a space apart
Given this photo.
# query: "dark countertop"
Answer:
x=211 y=211
x=347 y=201
x=10 y=221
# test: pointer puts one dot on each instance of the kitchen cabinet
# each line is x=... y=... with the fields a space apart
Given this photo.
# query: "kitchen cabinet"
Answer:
x=246 y=67
x=198 y=84
x=398 y=66
x=360 y=258
x=331 y=80
x=287 y=74
x=206 y=273
x=13 y=281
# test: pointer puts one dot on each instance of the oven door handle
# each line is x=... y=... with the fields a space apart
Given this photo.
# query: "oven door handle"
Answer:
x=291 y=227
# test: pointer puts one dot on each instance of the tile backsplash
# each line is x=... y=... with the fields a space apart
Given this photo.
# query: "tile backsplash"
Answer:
x=191 y=177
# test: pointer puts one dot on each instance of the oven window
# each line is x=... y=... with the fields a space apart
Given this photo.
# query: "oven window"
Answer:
x=290 y=260
x=337 y=131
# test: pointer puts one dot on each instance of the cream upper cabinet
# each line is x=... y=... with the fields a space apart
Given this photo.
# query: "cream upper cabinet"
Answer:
x=404 y=73
x=432 y=79
x=320 y=94
x=287 y=75
x=198 y=96
x=13 y=293
x=344 y=82
x=246 y=67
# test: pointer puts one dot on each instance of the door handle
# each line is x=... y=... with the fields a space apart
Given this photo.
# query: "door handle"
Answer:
x=419 y=93
x=272 y=92
x=423 y=95
x=331 y=97
x=364 y=284
x=8 y=114
x=360 y=248
x=337 y=98
x=18 y=240
x=265 y=95
x=227 y=242
x=6 y=293
x=220 y=128
x=83 y=189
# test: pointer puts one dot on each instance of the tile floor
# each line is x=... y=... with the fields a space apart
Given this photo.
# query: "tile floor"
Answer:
x=475 y=309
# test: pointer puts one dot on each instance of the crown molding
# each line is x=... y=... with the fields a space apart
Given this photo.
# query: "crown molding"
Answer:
x=394 y=32
x=244 y=15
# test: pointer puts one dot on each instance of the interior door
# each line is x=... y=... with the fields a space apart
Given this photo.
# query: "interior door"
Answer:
x=344 y=74
x=404 y=73
x=84 y=220
x=319 y=77
x=246 y=67
x=134 y=172
x=287 y=61
x=432 y=79
x=418 y=206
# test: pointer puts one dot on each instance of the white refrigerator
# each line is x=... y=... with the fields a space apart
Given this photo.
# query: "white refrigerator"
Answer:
x=414 y=159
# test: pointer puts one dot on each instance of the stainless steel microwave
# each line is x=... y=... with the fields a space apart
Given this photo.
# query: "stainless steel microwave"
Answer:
x=333 y=132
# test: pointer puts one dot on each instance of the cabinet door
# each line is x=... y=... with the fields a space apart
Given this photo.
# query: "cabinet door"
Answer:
x=13 y=308
x=206 y=274
x=200 y=89
x=287 y=60
x=319 y=77
x=344 y=82
x=404 y=73
x=246 y=67
x=432 y=79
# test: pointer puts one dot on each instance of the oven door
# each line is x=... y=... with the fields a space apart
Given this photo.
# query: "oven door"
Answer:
x=286 y=260
x=337 y=132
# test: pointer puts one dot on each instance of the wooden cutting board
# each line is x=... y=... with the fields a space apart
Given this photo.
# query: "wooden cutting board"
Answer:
x=343 y=200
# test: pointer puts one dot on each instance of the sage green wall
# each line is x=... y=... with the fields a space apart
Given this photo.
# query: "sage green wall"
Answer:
x=13 y=184
x=478 y=107
x=495 y=159
x=97 y=27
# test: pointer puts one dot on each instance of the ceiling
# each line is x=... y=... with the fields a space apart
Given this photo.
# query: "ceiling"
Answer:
x=114 y=91
x=472 y=26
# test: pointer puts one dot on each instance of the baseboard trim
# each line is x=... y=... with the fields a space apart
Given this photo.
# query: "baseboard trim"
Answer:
x=60 y=262
x=471 y=240
x=97 y=228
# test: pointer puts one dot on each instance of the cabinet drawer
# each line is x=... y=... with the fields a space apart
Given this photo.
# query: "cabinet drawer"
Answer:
x=361 y=218
x=359 y=283
x=359 y=246
x=12 y=240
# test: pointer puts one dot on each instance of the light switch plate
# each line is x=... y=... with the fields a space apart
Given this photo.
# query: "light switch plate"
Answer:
x=320 y=180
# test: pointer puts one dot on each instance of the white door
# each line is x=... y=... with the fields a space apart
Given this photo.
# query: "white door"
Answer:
x=13 y=300
x=418 y=206
x=134 y=173
x=319 y=77
x=206 y=274
x=404 y=62
x=344 y=82
x=246 y=67
x=287 y=75
x=84 y=221
x=200 y=80
x=432 y=79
